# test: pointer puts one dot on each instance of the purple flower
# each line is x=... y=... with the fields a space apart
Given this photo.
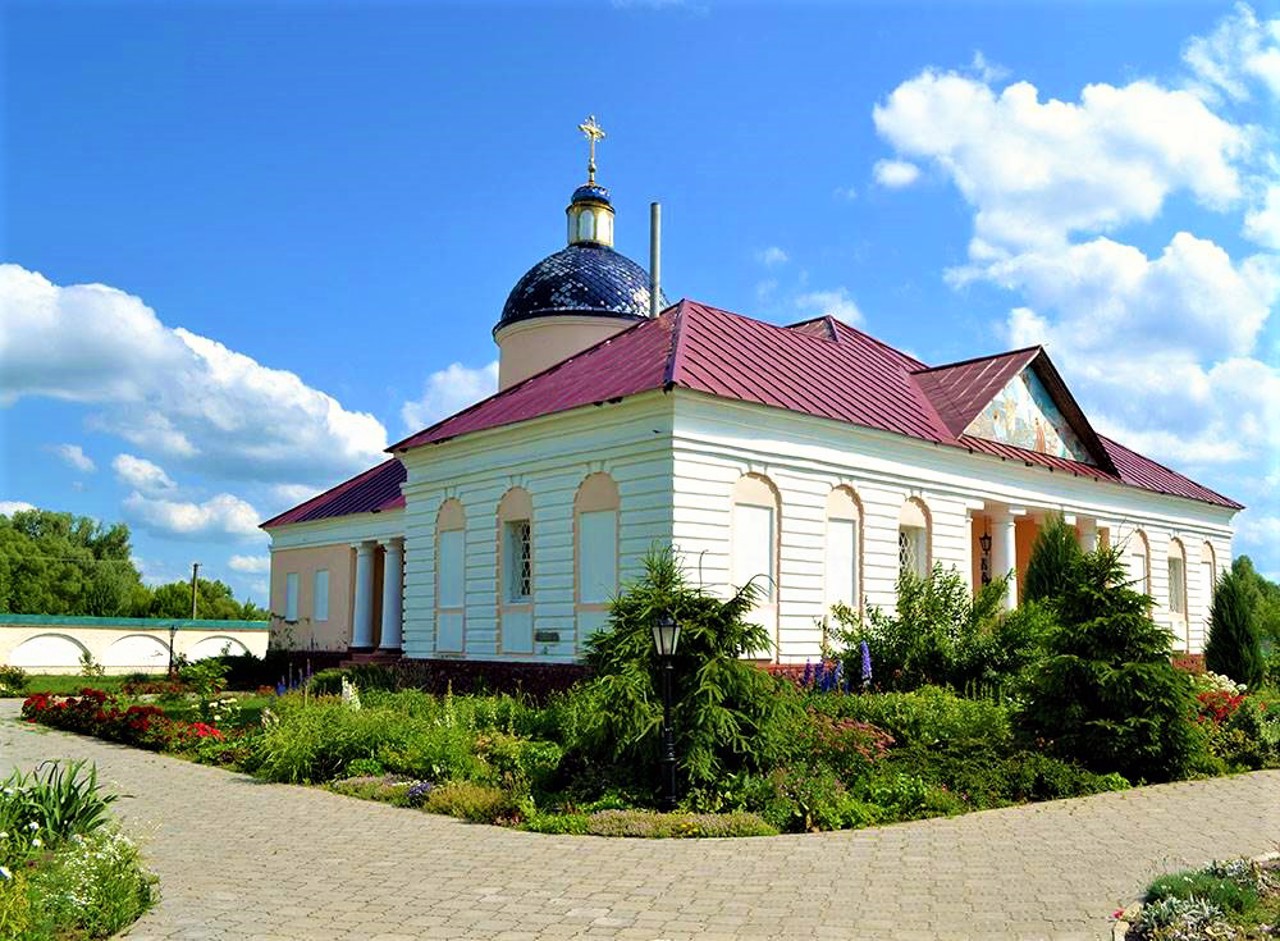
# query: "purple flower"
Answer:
x=418 y=793
x=866 y=664
x=819 y=675
x=837 y=678
x=808 y=673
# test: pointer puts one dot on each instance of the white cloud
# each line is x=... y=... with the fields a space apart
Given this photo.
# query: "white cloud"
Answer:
x=987 y=71
x=895 y=174
x=141 y=474
x=846 y=192
x=220 y=517
x=772 y=256
x=73 y=455
x=1171 y=352
x=1262 y=223
x=447 y=391
x=169 y=390
x=9 y=507
x=835 y=303
x=250 y=564
x=287 y=495
x=1242 y=51
x=1038 y=171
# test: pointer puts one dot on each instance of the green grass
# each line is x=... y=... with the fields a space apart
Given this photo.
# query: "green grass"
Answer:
x=71 y=685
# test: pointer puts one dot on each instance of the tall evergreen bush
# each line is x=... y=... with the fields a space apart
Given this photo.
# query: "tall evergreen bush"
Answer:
x=1105 y=693
x=1054 y=556
x=728 y=715
x=1233 y=647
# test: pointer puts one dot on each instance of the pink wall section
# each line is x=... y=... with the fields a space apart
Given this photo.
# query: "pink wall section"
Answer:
x=307 y=633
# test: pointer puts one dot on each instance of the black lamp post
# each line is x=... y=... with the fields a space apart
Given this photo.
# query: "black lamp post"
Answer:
x=666 y=634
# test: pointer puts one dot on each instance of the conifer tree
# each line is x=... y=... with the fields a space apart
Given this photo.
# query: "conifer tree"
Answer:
x=1233 y=648
x=1053 y=558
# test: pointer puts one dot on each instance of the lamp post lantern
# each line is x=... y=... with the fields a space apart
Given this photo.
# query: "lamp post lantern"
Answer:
x=666 y=634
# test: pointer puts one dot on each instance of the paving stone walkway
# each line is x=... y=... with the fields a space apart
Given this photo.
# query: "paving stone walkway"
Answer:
x=242 y=860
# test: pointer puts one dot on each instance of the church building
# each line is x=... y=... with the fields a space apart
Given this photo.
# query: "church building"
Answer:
x=811 y=457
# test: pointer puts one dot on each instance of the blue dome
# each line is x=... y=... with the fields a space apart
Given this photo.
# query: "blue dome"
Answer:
x=590 y=191
x=582 y=279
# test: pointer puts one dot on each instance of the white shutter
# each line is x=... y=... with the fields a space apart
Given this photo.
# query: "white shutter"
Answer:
x=320 y=599
x=842 y=562
x=597 y=556
x=450 y=567
x=753 y=547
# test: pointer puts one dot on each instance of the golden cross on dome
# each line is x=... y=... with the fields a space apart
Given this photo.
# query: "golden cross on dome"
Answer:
x=594 y=132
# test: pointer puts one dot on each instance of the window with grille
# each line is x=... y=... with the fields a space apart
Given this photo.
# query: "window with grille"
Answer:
x=913 y=555
x=519 y=561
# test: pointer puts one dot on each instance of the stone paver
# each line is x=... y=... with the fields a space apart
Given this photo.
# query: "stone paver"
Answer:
x=241 y=860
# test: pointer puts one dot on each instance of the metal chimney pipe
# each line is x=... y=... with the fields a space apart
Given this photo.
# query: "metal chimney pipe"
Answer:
x=655 y=257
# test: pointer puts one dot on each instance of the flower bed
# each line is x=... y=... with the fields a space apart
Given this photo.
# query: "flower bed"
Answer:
x=66 y=872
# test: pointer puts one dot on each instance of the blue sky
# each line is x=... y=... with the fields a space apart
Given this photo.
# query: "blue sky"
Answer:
x=248 y=245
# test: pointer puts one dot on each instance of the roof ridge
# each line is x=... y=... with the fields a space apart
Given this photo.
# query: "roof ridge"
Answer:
x=827 y=320
x=675 y=359
x=977 y=359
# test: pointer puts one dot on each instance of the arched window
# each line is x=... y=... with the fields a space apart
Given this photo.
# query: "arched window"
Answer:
x=451 y=577
x=1208 y=576
x=753 y=536
x=1140 y=561
x=595 y=510
x=517 y=571
x=914 y=538
x=844 y=549
x=515 y=525
x=1177 y=559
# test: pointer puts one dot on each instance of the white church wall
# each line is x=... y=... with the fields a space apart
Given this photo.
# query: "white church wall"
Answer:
x=716 y=442
x=549 y=458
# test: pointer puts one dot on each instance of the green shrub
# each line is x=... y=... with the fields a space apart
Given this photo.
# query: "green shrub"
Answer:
x=1226 y=894
x=519 y=765
x=1105 y=693
x=50 y=805
x=728 y=715
x=1233 y=647
x=1054 y=556
x=940 y=633
x=467 y=800
x=808 y=797
x=927 y=716
x=317 y=742
x=366 y=677
x=13 y=680
x=365 y=766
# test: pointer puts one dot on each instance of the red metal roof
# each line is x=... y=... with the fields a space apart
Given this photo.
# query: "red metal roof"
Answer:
x=959 y=391
x=821 y=367
x=373 y=491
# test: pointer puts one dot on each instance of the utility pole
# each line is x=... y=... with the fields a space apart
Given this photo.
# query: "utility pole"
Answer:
x=173 y=625
x=195 y=571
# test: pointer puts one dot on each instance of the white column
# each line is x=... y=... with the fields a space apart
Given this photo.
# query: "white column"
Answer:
x=392 y=594
x=1088 y=534
x=1004 y=556
x=362 y=617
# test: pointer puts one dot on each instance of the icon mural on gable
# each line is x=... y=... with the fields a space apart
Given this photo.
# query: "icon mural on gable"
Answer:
x=1024 y=415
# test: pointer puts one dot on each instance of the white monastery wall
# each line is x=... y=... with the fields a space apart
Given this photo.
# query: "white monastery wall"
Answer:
x=49 y=644
x=548 y=459
x=716 y=443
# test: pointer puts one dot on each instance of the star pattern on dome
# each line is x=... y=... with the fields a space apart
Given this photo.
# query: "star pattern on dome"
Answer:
x=581 y=279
